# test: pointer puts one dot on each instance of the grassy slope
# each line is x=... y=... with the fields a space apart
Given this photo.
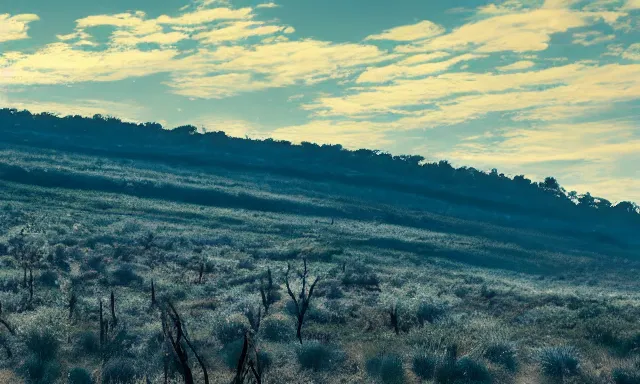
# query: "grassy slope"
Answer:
x=549 y=289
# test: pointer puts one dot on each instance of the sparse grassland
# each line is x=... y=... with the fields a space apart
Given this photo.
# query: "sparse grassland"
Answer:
x=472 y=302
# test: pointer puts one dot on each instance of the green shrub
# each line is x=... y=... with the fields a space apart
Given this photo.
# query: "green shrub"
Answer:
x=232 y=329
x=43 y=344
x=48 y=279
x=502 y=353
x=559 y=362
x=626 y=376
x=119 y=371
x=277 y=328
x=79 y=376
x=87 y=342
x=429 y=312
x=424 y=365
x=464 y=370
x=125 y=275
x=387 y=368
x=231 y=352
x=39 y=371
x=317 y=357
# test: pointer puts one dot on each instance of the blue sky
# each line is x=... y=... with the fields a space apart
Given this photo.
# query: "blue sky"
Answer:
x=534 y=87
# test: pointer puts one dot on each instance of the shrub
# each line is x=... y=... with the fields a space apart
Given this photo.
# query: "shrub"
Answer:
x=329 y=289
x=317 y=357
x=471 y=371
x=502 y=353
x=231 y=352
x=79 y=376
x=631 y=345
x=48 y=279
x=38 y=371
x=387 y=368
x=125 y=275
x=119 y=371
x=559 y=362
x=464 y=370
x=88 y=342
x=626 y=376
x=424 y=365
x=277 y=328
x=232 y=329
x=43 y=344
x=429 y=312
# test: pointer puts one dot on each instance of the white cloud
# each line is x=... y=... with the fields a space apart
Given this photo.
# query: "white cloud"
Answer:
x=422 y=30
x=524 y=64
x=632 y=53
x=399 y=70
x=240 y=30
x=15 y=27
x=267 y=5
x=350 y=134
x=589 y=38
x=126 y=111
x=516 y=32
x=203 y=16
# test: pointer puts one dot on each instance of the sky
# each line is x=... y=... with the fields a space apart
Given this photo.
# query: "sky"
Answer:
x=534 y=87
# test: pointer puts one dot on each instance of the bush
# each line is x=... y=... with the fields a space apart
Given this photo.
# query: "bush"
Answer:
x=119 y=371
x=38 y=371
x=79 y=376
x=559 y=362
x=125 y=275
x=317 y=357
x=276 y=328
x=626 y=376
x=88 y=342
x=43 y=344
x=232 y=329
x=429 y=312
x=387 y=368
x=424 y=365
x=502 y=353
x=231 y=352
x=48 y=279
x=464 y=370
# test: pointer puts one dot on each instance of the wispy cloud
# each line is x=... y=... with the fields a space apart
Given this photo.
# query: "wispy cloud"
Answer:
x=422 y=30
x=267 y=5
x=15 y=27
x=518 y=65
x=589 y=38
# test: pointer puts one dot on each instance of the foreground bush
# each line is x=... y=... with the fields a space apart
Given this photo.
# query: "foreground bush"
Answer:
x=232 y=329
x=43 y=344
x=502 y=353
x=38 y=371
x=424 y=365
x=464 y=370
x=119 y=371
x=559 y=362
x=387 y=368
x=318 y=357
x=79 y=376
x=277 y=328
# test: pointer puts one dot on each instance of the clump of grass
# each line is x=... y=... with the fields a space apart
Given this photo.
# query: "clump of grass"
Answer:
x=43 y=344
x=125 y=275
x=502 y=353
x=87 y=343
x=277 y=328
x=318 y=357
x=424 y=365
x=559 y=362
x=387 y=368
x=429 y=312
x=79 y=376
x=38 y=371
x=232 y=329
x=626 y=376
x=119 y=371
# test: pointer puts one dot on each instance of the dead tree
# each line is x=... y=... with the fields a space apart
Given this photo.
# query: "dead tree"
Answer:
x=266 y=291
x=302 y=302
x=73 y=300
x=393 y=314
x=201 y=273
x=30 y=284
x=114 y=319
x=174 y=332
x=153 y=294
x=248 y=363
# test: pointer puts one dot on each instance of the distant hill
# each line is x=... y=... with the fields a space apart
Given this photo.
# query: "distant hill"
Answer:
x=466 y=186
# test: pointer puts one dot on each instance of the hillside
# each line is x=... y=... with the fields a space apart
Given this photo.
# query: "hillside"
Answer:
x=414 y=259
